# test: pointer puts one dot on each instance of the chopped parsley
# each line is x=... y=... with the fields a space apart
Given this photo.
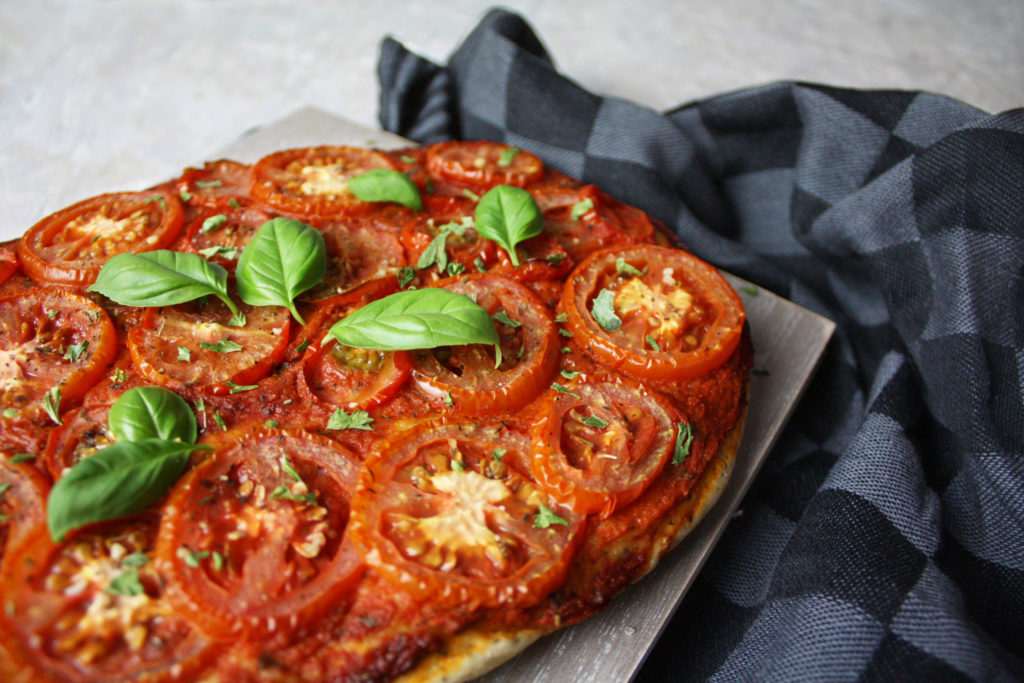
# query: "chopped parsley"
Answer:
x=359 y=419
x=238 y=388
x=213 y=222
x=581 y=207
x=653 y=344
x=594 y=421
x=406 y=274
x=546 y=517
x=507 y=156
x=562 y=390
x=684 y=439
x=51 y=404
x=223 y=346
x=502 y=317
x=603 y=310
x=184 y=354
x=622 y=267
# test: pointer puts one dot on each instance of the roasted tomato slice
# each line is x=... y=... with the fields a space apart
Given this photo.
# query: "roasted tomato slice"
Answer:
x=313 y=181
x=83 y=433
x=215 y=184
x=70 y=246
x=483 y=164
x=23 y=492
x=356 y=254
x=584 y=220
x=219 y=235
x=598 y=445
x=50 y=341
x=8 y=264
x=678 y=318
x=445 y=511
x=346 y=377
x=92 y=609
x=465 y=376
x=189 y=347
x=253 y=539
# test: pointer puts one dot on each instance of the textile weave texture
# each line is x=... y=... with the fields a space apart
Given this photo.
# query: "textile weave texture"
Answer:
x=884 y=537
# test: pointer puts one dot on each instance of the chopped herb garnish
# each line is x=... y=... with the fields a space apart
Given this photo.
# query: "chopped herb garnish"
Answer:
x=229 y=253
x=603 y=310
x=546 y=517
x=126 y=584
x=555 y=258
x=119 y=376
x=206 y=184
x=93 y=316
x=271 y=423
x=566 y=349
x=283 y=491
x=185 y=196
x=238 y=388
x=218 y=561
x=499 y=452
x=11 y=412
x=359 y=419
x=562 y=390
x=653 y=344
x=51 y=313
x=157 y=198
x=303 y=345
x=581 y=207
x=436 y=252
x=622 y=267
x=570 y=374
x=406 y=159
x=502 y=317
x=219 y=420
x=684 y=439
x=51 y=404
x=564 y=332
x=562 y=317
x=469 y=194
x=448 y=399
x=752 y=291
x=406 y=274
x=455 y=268
x=223 y=346
x=507 y=156
x=135 y=560
x=594 y=421
x=21 y=457
x=481 y=267
x=191 y=557
x=184 y=354
x=213 y=222
x=233 y=203
x=458 y=466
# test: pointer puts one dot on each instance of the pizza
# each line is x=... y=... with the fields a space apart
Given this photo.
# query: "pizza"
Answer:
x=348 y=414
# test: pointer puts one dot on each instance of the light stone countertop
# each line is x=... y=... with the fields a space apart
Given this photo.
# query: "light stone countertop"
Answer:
x=99 y=96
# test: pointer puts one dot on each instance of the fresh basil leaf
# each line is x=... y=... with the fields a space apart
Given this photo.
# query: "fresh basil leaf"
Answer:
x=386 y=185
x=417 y=319
x=603 y=310
x=161 y=278
x=152 y=413
x=282 y=260
x=122 y=479
x=508 y=215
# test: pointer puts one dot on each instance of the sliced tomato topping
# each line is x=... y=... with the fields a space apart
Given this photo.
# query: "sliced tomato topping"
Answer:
x=445 y=511
x=463 y=247
x=70 y=246
x=483 y=164
x=8 y=264
x=346 y=377
x=220 y=234
x=23 y=491
x=678 y=318
x=190 y=347
x=584 y=219
x=215 y=184
x=253 y=538
x=313 y=181
x=599 y=444
x=356 y=254
x=50 y=340
x=83 y=433
x=92 y=609
x=466 y=377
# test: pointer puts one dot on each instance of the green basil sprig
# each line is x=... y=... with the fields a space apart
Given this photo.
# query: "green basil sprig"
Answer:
x=122 y=479
x=417 y=319
x=156 y=432
x=162 y=278
x=386 y=185
x=508 y=215
x=152 y=413
x=283 y=259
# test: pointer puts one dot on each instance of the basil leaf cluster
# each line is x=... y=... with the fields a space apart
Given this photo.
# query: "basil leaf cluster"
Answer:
x=386 y=185
x=156 y=432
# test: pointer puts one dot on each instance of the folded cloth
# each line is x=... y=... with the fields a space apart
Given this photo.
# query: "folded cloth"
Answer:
x=884 y=537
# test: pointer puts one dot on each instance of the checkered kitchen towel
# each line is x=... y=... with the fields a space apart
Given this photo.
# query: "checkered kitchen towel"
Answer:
x=884 y=537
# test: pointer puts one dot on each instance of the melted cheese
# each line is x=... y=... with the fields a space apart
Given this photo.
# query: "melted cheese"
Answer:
x=327 y=180
x=665 y=311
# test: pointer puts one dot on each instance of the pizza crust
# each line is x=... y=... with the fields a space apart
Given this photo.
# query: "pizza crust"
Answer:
x=477 y=650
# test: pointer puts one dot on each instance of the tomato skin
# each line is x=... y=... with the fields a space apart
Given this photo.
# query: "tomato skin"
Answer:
x=154 y=346
x=70 y=246
x=50 y=588
x=21 y=505
x=356 y=254
x=236 y=230
x=598 y=469
x=477 y=164
x=467 y=374
x=460 y=534
x=8 y=264
x=590 y=229
x=717 y=309
x=83 y=434
x=37 y=330
x=312 y=181
x=282 y=562
x=465 y=249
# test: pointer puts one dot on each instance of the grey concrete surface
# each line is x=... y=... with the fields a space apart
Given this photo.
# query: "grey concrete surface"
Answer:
x=107 y=95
